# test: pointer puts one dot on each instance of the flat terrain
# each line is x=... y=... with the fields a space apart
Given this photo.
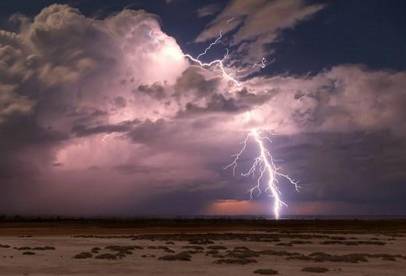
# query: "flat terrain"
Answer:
x=203 y=247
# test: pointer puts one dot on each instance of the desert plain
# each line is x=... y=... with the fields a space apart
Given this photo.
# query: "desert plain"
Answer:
x=203 y=247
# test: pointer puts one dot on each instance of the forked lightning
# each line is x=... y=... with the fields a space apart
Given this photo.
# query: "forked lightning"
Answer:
x=263 y=166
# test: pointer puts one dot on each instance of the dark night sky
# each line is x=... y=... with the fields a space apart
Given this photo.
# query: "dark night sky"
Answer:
x=101 y=114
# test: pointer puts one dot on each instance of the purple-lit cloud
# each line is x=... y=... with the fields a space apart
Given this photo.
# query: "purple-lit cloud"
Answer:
x=107 y=116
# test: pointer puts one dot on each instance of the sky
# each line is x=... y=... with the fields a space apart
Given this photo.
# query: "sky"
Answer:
x=102 y=113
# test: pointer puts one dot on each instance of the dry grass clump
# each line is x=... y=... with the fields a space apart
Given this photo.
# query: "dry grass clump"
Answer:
x=389 y=258
x=122 y=247
x=353 y=243
x=217 y=247
x=245 y=253
x=25 y=248
x=22 y=248
x=271 y=252
x=315 y=269
x=107 y=256
x=95 y=250
x=121 y=251
x=372 y=242
x=83 y=255
x=241 y=253
x=214 y=254
x=242 y=261
x=43 y=248
x=267 y=271
x=193 y=247
x=200 y=241
x=28 y=253
x=238 y=255
x=182 y=256
x=348 y=258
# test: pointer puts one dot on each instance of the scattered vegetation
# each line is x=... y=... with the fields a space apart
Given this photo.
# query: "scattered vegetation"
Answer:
x=200 y=241
x=217 y=247
x=241 y=253
x=282 y=253
x=107 y=256
x=43 y=248
x=353 y=243
x=95 y=250
x=28 y=253
x=22 y=248
x=83 y=255
x=212 y=252
x=120 y=251
x=193 y=247
x=267 y=271
x=182 y=256
x=389 y=258
x=315 y=269
x=348 y=258
x=25 y=248
x=242 y=261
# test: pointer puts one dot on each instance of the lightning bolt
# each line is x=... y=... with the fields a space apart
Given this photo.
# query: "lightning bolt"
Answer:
x=263 y=166
x=211 y=45
x=217 y=62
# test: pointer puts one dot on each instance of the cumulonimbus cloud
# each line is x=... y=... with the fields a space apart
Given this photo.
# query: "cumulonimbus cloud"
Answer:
x=111 y=107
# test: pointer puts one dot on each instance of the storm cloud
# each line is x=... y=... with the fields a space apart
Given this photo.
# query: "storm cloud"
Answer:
x=107 y=117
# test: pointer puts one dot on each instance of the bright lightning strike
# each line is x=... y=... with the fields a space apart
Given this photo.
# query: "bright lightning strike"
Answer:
x=264 y=167
x=211 y=45
x=217 y=62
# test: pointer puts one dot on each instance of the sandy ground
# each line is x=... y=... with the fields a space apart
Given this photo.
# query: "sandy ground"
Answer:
x=204 y=253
